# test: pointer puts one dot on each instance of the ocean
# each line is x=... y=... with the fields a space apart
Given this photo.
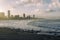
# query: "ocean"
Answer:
x=40 y=25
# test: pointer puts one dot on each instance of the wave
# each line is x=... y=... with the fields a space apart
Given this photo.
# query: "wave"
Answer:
x=46 y=24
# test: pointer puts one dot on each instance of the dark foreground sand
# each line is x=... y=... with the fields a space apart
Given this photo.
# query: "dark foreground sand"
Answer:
x=18 y=34
x=27 y=37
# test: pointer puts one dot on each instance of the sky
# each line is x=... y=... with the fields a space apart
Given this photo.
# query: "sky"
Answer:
x=41 y=8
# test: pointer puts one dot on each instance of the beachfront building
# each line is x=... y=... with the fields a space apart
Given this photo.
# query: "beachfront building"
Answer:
x=16 y=17
x=2 y=15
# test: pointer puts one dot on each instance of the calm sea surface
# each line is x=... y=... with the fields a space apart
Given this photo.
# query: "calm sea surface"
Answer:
x=31 y=24
x=18 y=24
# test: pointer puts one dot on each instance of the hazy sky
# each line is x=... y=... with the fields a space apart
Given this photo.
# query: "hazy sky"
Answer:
x=42 y=8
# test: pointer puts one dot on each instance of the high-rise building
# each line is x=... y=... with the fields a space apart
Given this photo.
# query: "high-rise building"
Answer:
x=24 y=15
x=33 y=16
x=8 y=13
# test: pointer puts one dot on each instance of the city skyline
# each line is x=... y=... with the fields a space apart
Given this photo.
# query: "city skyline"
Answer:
x=15 y=17
x=9 y=15
x=41 y=8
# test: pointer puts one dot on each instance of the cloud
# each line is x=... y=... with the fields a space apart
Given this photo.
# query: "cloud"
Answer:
x=54 y=5
x=30 y=1
x=33 y=6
